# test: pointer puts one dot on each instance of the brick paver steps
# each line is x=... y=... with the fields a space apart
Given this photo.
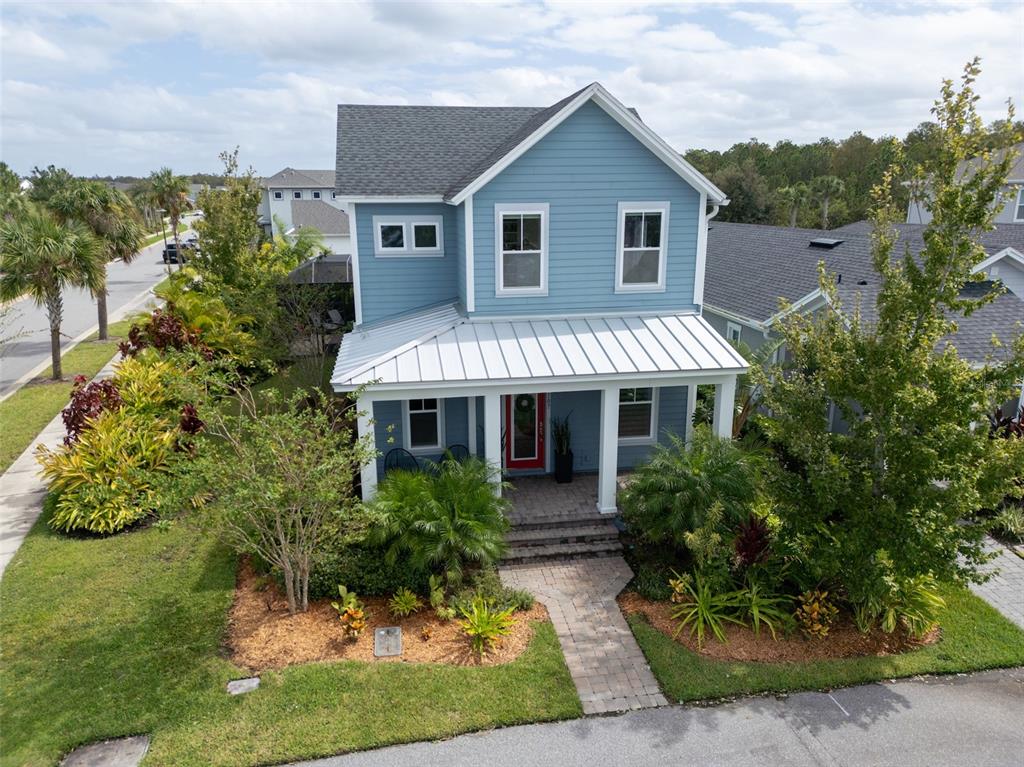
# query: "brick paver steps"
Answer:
x=606 y=664
x=1005 y=589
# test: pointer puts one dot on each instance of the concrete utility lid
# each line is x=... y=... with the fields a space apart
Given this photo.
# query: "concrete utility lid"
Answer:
x=387 y=641
x=239 y=686
x=122 y=752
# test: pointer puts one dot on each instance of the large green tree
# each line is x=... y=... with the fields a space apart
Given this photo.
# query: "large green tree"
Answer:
x=41 y=256
x=11 y=199
x=112 y=218
x=886 y=502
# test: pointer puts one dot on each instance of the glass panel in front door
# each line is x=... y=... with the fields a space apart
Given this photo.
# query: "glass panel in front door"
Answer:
x=524 y=427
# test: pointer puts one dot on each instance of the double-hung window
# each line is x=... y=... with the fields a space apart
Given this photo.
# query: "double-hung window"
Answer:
x=424 y=429
x=408 y=237
x=640 y=261
x=1018 y=210
x=521 y=247
x=637 y=415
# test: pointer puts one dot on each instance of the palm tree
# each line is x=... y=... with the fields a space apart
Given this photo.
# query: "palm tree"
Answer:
x=111 y=217
x=825 y=189
x=11 y=198
x=171 y=194
x=40 y=256
x=793 y=198
x=141 y=193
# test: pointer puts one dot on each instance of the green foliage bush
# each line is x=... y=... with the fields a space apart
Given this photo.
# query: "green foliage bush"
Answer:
x=362 y=568
x=106 y=479
x=487 y=584
x=404 y=603
x=651 y=582
x=705 y=610
x=485 y=624
x=1008 y=524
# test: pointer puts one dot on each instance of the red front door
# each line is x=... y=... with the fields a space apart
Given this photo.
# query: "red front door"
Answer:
x=524 y=431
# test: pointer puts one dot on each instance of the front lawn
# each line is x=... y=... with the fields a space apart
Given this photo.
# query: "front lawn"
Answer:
x=26 y=412
x=103 y=637
x=975 y=637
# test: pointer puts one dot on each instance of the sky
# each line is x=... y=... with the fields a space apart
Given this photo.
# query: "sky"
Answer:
x=124 y=88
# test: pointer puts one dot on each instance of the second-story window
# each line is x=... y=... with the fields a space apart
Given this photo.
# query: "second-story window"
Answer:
x=297 y=194
x=278 y=195
x=642 y=244
x=316 y=194
x=412 y=237
x=1019 y=210
x=522 y=249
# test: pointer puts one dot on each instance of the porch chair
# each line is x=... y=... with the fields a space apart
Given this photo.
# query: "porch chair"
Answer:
x=457 y=453
x=400 y=458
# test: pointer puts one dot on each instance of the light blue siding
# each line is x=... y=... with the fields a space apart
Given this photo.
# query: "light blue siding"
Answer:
x=460 y=252
x=583 y=169
x=390 y=427
x=390 y=286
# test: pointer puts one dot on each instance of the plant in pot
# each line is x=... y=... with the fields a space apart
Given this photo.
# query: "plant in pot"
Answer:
x=563 y=451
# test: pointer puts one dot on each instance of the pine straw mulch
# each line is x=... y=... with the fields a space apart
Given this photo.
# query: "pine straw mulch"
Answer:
x=742 y=644
x=262 y=635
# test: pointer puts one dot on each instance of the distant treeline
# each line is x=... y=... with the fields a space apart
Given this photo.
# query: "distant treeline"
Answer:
x=211 y=179
x=827 y=182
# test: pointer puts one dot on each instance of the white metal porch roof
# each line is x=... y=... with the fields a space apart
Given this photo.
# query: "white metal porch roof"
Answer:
x=441 y=346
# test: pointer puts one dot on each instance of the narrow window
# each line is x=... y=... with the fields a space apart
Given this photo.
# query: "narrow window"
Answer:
x=424 y=424
x=316 y=194
x=1019 y=213
x=732 y=332
x=636 y=415
x=642 y=236
x=522 y=251
x=297 y=194
x=278 y=195
x=334 y=195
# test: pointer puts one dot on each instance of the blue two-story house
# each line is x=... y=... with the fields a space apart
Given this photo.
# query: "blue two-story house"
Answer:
x=514 y=265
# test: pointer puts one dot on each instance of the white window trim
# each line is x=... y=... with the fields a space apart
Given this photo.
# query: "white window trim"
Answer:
x=296 y=194
x=316 y=194
x=502 y=209
x=1018 y=205
x=409 y=250
x=278 y=195
x=730 y=327
x=435 y=221
x=625 y=208
x=652 y=437
x=407 y=432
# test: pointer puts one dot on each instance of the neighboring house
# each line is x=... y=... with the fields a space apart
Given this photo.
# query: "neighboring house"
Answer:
x=289 y=186
x=1012 y=194
x=750 y=267
x=514 y=265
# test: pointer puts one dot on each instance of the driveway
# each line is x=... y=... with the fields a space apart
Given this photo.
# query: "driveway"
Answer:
x=972 y=720
x=128 y=285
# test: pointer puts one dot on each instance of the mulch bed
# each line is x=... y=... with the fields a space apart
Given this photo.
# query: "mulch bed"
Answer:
x=843 y=640
x=262 y=635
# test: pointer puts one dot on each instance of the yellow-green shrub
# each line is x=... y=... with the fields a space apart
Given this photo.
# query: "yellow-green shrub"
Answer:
x=148 y=383
x=105 y=480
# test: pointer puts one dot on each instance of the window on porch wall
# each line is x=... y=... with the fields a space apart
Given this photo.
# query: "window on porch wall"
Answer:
x=424 y=424
x=636 y=414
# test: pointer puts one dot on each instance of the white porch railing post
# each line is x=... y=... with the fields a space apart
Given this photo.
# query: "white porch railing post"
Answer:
x=364 y=425
x=492 y=435
x=607 y=476
x=725 y=404
x=691 y=409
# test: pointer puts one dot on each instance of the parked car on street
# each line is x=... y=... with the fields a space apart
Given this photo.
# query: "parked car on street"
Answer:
x=189 y=248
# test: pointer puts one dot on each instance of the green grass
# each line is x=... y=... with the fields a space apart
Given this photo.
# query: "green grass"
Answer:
x=975 y=637
x=159 y=236
x=24 y=414
x=115 y=636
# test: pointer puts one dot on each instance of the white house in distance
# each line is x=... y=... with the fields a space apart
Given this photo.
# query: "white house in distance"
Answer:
x=305 y=198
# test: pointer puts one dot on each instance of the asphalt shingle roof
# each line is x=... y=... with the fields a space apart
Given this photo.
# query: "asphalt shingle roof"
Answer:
x=750 y=266
x=291 y=178
x=317 y=214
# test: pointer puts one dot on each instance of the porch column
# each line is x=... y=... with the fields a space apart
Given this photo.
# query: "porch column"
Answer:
x=607 y=474
x=364 y=425
x=725 y=404
x=471 y=424
x=691 y=409
x=492 y=436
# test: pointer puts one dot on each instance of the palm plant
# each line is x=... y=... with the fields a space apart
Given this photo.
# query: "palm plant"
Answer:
x=793 y=198
x=824 y=189
x=748 y=392
x=41 y=256
x=442 y=520
x=170 y=192
x=683 y=486
x=111 y=217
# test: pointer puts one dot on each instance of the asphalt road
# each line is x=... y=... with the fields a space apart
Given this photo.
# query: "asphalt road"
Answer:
x=128 y=285
x=975 y=720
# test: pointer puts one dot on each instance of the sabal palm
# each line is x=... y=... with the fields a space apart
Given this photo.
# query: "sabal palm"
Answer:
x=793 y=198
x=40 y=256
x=672 y=493
x=112 y=218
x=442 y=520
x=825 y=189
x=170 y=192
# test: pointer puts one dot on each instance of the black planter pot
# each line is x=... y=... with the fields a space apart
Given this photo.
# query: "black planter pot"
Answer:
x=563 y=467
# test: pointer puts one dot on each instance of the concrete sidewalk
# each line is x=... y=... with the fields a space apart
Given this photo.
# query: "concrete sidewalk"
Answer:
x=926 y=722
x=22 y=491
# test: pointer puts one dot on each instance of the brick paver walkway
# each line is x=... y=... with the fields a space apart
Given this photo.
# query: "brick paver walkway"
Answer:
x=610 y=671
x=1004 y=590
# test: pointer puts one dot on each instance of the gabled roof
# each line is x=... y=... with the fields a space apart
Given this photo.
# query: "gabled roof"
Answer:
x=448 y=152
x=441 y=347
x=291 y=178
x=318 y=215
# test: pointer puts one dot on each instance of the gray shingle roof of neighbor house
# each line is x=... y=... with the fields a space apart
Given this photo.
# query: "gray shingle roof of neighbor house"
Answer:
x=317 y=214
x=751 y=266
x=290 y=178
